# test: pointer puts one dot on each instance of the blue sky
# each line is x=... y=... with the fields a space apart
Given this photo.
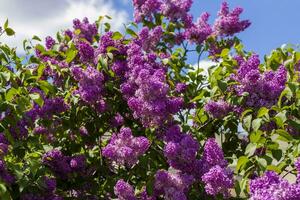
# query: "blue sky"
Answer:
x=274 y=22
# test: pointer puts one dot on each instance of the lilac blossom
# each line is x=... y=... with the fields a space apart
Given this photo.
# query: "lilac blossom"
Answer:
x=218 y=180
x=124 y=191
x=228 y=23
x=217 y=109
x=172 y=185
x=124 y=148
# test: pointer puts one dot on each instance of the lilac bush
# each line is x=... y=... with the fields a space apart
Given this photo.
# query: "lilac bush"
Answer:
x=95 y=113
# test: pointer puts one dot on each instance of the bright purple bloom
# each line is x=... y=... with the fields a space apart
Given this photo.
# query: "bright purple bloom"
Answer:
x=213 y=154
x=90 y=84
x=254 y=83
x=146 y=89
x=87 y=30
x=199 y=31
x=172 y=185
x=272 y=187
x=180 y=87
x=229 y=23
x=50 y=42
x=181 y=154
x=124 y=191
x=217 y=109
x=218 y=180
x=143 y=9
x=124 y=148
x=86 y=52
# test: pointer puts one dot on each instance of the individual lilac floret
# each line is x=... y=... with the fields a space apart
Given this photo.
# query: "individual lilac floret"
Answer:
x=255 y=84
x=50 y=42
x=181 y=154
x=199 y=31
x=271 y=186
x=218 y=180
x=124 y=148
x=217 y=109
x=173 y=185
x=228 y=23
x=90 y=84
x=87 y=30
x=124 y=191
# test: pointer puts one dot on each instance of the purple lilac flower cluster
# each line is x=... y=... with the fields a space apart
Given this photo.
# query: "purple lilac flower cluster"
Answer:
x=51 y=107
x=63 y=165
x=217 y=109
x=252 y=81
x=177 y=9
x=124 y=191
x=87 y=30
x=50 y=42
x=5 y=175
x=146 y=89
x=86 y=52
x=212 y=168
x=143 y=9
x=106 y=41
x=200 y=30
x=271 y=186
x=228 y=23
x=90 y=85
x=124 y=148
x=172 y=185
x=181 y=151
x=150 y=38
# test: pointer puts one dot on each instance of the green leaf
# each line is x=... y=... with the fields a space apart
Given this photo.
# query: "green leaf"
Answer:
x=273 y=168
x=247 y=122
x=284 y=134
x=277 y=154
x=262 y=112
x=9 y=31
x=255 y=136
x=225 y=52
x=256 y=124
x=280 y=118
x=250 y=149
x=36 y=38
x=131 y=32
x=12 y=92
x=117 y=36
x=241 y=162
x=5 y=24
x=36 y=97
x=70 y=55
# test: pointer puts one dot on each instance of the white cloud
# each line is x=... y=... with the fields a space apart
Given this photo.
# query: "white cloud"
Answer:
x=204 y=64
x=44 y=17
